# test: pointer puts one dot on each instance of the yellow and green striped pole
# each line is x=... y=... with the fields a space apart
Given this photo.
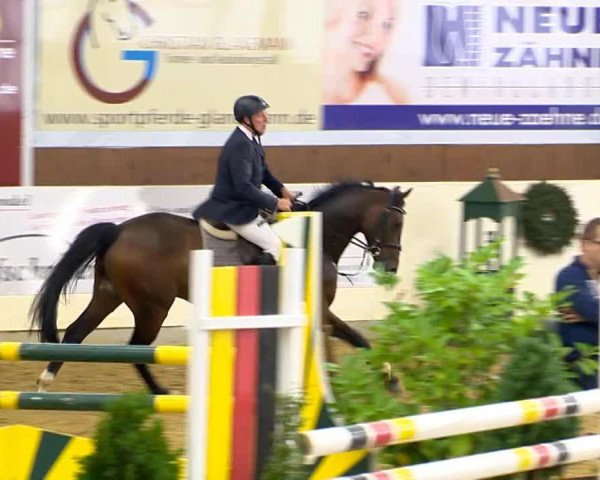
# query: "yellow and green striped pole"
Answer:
x=162 y=355
x=88 y=402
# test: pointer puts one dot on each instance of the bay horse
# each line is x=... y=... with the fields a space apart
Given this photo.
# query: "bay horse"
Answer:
x=143 y=262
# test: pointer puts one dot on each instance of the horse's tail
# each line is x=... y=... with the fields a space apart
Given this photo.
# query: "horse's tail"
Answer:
x=91 y=243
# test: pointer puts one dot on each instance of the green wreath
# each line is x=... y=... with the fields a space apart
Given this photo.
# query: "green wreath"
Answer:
x=548 y=217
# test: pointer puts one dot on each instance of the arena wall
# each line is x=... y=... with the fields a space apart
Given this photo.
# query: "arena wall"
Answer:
x=318 y=164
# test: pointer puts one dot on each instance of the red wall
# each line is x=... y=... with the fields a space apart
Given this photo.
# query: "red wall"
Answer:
x=11 y=21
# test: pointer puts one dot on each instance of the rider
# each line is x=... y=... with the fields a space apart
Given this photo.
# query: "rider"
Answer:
x=236 y=197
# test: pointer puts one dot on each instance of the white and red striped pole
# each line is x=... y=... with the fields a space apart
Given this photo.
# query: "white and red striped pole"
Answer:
x=327 y=441
x=493 y=464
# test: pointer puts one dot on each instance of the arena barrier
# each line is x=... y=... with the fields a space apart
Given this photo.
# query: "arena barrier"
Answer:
x=461 y=421
x=234 y=347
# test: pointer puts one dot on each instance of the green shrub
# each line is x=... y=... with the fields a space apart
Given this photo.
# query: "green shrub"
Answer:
x=533 y=371
x=130 y=445
x=447 y=348
x=286 y=459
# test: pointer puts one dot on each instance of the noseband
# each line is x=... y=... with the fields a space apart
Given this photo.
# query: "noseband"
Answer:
x=378 y=245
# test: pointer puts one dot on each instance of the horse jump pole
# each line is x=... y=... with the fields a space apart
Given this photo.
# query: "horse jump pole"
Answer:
x=493 y=464
x=327 y=441
x=68 y=352
x=86 y=402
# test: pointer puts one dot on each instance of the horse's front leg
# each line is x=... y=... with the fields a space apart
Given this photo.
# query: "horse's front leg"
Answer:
x=340 y=329
x=343 y=331
x=336 y=327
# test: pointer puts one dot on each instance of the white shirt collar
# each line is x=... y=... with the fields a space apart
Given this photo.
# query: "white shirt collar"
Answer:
x=247 y=131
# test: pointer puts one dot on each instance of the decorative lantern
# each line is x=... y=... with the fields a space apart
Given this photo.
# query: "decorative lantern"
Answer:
x=494 y=200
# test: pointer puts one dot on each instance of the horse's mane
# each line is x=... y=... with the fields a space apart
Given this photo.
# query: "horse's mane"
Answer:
x=333 y=190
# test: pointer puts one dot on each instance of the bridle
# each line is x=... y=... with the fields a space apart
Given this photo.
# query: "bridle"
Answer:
x=377 y=245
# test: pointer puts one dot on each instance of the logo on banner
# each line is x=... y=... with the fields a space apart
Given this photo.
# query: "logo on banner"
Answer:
x=26 y=261
x=453 y=36
x=116 y=18
x=18 y=265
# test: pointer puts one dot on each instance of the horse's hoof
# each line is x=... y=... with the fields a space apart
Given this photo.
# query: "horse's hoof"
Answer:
x=161 y=391
x=394 y=386
x=44 y=381
x=42 y=387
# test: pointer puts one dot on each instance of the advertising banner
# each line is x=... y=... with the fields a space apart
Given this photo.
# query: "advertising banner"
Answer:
x=176 y=65
x=38 y=224
x=332 y=70
x=11 y=43
x=459 y=64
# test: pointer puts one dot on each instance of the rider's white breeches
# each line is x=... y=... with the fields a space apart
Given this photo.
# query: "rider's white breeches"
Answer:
x=260 y=233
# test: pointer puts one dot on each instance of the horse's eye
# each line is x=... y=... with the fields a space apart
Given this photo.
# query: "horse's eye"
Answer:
x=397 y=223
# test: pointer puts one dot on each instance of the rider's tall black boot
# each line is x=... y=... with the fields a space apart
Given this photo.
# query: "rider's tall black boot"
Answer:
x=265 y=258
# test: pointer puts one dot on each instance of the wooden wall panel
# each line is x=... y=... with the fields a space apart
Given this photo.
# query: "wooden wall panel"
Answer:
x=387 y=163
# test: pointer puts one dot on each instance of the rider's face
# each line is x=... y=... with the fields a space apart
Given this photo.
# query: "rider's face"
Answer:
x=260 y=120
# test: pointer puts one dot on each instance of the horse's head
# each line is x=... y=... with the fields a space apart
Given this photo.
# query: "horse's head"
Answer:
x=382 y=227
x=358 y=207
x=116 y=13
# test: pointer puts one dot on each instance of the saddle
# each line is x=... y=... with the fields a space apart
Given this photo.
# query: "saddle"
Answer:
x=217 y=229
x=220 y=230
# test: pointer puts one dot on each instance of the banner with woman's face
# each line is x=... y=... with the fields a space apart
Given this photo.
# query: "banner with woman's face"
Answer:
x=434 y=65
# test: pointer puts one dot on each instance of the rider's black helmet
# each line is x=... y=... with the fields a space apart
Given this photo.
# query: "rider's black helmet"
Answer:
x=247 y=106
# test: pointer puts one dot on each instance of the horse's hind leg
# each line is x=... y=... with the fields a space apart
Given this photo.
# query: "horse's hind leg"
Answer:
x=104 y=301
x=148 y=321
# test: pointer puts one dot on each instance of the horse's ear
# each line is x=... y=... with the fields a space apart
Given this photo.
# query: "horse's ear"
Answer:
x=405 y=194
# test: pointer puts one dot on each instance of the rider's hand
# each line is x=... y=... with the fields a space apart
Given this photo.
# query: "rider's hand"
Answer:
x=284 y=205
x=285 y=193
x=568 y=315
